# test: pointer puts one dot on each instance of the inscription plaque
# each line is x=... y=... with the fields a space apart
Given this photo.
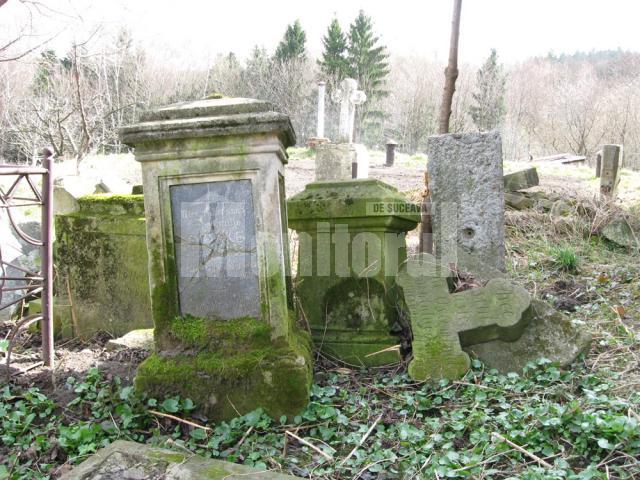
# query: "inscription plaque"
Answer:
x=214 y=236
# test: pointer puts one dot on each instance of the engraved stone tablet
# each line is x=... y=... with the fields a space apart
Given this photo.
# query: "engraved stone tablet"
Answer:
x=215 y=248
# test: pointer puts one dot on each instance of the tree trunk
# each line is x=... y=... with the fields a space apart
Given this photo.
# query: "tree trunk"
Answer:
x=450 y=76
x=451 y=72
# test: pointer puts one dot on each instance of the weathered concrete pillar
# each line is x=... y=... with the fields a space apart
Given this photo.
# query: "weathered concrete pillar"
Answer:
x=598 y=164
x=610 y=170
x=391 y=152
x=467 y=197
x=221 y=298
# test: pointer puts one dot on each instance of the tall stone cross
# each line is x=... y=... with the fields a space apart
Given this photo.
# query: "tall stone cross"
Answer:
x=348 y=96
x=442 y=322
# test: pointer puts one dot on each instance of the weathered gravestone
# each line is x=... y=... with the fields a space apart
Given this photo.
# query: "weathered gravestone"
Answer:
x=225 y=329
x=344 y=160
x=498 y=323
x=352 y=241
x=467 y=198
x=123 y=460
x=443 y=322
x=102 y=276
x=611 y=165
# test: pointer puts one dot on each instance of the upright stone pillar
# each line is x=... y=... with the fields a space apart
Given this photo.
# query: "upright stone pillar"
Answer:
x=610 y=170
x=219 y=274
x=352 y=241
x=467 y=197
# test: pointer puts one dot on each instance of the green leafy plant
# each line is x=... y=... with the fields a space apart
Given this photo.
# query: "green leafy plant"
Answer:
x=565 y=258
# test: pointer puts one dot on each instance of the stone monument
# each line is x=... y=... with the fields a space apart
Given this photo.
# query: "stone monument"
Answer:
x=467 y=197
x=611 y=164
x=352 y=241
x=344 y=160
x=219 y=274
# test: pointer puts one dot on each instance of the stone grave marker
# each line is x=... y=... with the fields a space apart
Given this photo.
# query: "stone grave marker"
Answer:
x=352 y=241
x=442 y=322
x=467 y=198
x=610 y=170
x=225 y=327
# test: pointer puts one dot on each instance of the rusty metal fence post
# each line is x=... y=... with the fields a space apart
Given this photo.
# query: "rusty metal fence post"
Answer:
x=46 y=326
x=32 y=283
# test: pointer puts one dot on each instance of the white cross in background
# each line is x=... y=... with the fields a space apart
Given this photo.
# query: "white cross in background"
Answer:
x=348 y=96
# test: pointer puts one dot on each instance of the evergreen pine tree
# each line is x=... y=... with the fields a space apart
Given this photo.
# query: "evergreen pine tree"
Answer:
x=292 y=45
x=367 y=63
x=488 y=108
x=334 y=61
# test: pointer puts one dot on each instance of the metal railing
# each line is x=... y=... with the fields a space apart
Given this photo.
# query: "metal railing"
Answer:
x=30 y=284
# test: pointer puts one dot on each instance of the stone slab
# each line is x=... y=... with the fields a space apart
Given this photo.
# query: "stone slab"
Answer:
x=216 y=252
x=467 y=197
x=550 y=335
x=124 y=460
x=521 y=180
x=443 y=322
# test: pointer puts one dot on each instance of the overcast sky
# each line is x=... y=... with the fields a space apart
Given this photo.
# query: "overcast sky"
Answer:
x=188 y=31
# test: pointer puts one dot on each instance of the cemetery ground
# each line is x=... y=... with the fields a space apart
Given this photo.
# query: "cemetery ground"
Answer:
x=545 y=423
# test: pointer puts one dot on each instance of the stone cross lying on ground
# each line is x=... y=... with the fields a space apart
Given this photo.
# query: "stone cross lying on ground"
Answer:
x=348 y=96
x=439 y=318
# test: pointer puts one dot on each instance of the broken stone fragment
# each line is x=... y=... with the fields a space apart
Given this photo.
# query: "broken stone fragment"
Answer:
x=141 y=338
x=619 y=231
x=561 y=208
x=549 y=334
x=518 y=201
x=441 y=321
x=498 y=323
x=130 y=460
x=521 y=180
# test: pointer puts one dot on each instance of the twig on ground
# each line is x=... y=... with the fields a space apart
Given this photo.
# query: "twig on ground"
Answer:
x=533 y=456
x=362 y=440
x=309 y=444
x=178 y=419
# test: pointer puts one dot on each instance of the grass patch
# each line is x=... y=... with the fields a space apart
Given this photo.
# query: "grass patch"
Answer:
x=565 y=258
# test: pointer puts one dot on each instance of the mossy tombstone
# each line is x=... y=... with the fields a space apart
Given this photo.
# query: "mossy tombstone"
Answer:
x=219 y=274
x=352 y=241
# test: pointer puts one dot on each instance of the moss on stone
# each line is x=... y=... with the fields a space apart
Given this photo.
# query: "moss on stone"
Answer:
x=241 y=334
x=112 y=203
x=225 y=383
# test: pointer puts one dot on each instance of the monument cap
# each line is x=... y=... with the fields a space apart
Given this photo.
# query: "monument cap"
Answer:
x=209 y=117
